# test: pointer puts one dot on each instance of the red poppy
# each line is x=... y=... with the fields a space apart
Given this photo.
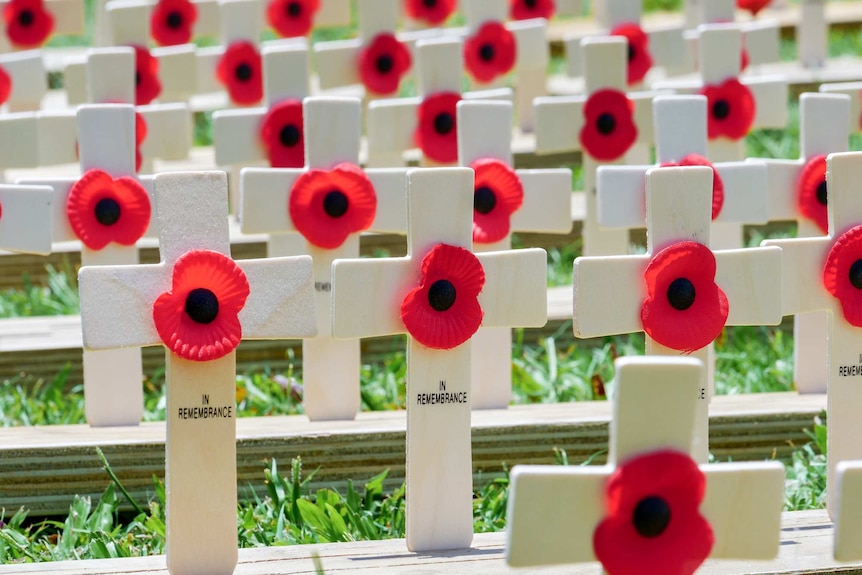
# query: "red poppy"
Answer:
x=283 y=135
x=5 y=85
x=684 y=309
x=653 y=524
x=172 y=22
x=291 y=18
x=327 y=206
x=842 y=275
x=382 y=64
x=140 y=136
x=443 y=311
x=28 y=23
x=811 y=192
x=526 y=9
x=497 y=194
x=609 y=128
x=753 y=6
x=437 y=127
x=239 y=71
x=432 y=12
x=717 y=182
x=743 y=59
x=731 y=108
x=639 y=57
x=102 y=209
x=147 y=84
x=199 y=318
x=490 y=52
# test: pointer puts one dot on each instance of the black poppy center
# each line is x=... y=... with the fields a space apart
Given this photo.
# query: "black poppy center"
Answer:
x=484 y=199
x=335 y=204
x=294 y=9
x=441 y=295
x=651 y=516
x=856 y=274
x=429 y=3
x=107 y=211
x=632 y=52
x=486 y=52
x=444 y=123
x=721 y=109
x=384 y=63
x=289 y=136
x=530 y=3
x=243 y=72
x=606 y=124
x=202 y=305
x=680 y=294
x=174 y=20
x=822 y=194
x=137 y=78
x=26 y=17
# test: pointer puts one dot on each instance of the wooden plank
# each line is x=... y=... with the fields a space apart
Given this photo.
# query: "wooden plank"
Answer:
x=806 y=547
x=44 y=467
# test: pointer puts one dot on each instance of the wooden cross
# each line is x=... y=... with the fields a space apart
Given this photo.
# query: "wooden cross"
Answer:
x=625 y=294
x=561 y=122
x=198 y=303
x=384 y=296
x=130 y=21
x=547 y=198
x=330 y=367
x=28 y=80
x=824 y=128
x=680 y=132
x=34 y=139
x=806 y=263
x=67 y=15
x=392 y=124
x=719 y=46
x=848 y=511
x=25 y=219
x=113 y=390
x=561 y=515
x=854 y=90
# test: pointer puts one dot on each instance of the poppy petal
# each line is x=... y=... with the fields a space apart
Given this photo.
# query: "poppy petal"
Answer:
x=490 y=52
x=292 y=18
x=437 y=127
x=239 y=71
x=842 y=275
x=5 y=85
x=497 y=194
x=382 y=64
x=811 y=192
x=431 y=12
x=282 y=134
x=639 y=57
x=527 y=9
x=147 y=83
x=753 y=6
x=172 y=22
x=609 y=129
x=717 y=182
x=731 y=107
x=28 y=23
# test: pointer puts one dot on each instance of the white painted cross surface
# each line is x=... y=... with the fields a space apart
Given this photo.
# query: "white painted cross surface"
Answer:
x=680 y=292
x=23 y=80
x=808 y=264
x=504 y=201
x=848 y=511
x=650 y=503
x=282 y=202
x=795 y=188
x=26 y=218
x=199 y=304
x=439 y=294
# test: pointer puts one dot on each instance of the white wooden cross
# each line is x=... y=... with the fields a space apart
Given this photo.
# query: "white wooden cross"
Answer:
x=198 y=303
x=132 y=21
x=392 y=124
x=806 y=262
x=28 y=80
x=854 y=90
x=547 y=201
x=848 y=511
x=655 y=513
x=26 y=217
x=680 y=131
x=824 y=128
x=113 y=390
x=561 y=121
x=614 y=295
x=370 y=298
x=329 y=13
x=719 y=47
x=332 y=132
x=67 y=15
x=34 y=139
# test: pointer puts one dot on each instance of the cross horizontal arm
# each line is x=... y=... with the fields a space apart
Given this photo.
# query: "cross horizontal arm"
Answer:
x=549 y=210
x=169 y=131
x=390 y=126
x=281 y=301
x=782 y=175
x=390 y=185
x=803 y=259
x=27 y=224
x=621 y=196
x=516 y=288
x=337 y=63
x=746 y=197
x=559 y=120
x=265 y=194
x=770 y=95
x=608 y=294
x=749 y=278
x=235 y=133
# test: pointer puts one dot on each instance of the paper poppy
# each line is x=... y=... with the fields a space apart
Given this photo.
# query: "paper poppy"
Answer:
x=717 y=182
x=639 y=57
x=5 y=85
x=28 y=23
x=753 y=6
x=731 y=109
x=140 y=136
x=102 y=209
x=609 y=127
x=653 y=524
x=147 y=84
x=743 y=59
x=282 y=133
x=490 y=52
x=239 y=71
x=327 y=206
x=291 y=18
x=432 y=12
x=842 y=275
x=172 y=22
x=811 y=192
x=199 y=318
x=382 y=64
x=684 y=309
x=527 y=9
x=443 y=311
x=437 y=127
x=497 y=194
